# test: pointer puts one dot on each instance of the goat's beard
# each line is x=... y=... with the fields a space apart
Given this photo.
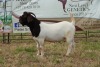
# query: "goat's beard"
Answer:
x=22 y=23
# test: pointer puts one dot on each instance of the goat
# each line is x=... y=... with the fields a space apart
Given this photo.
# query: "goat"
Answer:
x=42 y=31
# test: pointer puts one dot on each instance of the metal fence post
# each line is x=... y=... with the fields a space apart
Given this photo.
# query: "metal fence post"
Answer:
x=3 y=37
x=87 y=35
x=8 y=38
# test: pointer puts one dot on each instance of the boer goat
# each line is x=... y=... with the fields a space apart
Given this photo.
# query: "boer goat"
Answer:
x=42 y=31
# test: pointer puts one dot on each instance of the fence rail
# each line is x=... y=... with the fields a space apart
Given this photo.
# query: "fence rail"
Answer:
x=80 y=35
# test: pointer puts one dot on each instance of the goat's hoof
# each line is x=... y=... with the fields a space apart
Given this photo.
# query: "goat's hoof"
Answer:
x=67 y=55
x=41 y=55
x=38 y=54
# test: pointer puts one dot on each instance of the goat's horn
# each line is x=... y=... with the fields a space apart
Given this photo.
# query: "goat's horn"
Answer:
x=32 y=13
x=15 y=15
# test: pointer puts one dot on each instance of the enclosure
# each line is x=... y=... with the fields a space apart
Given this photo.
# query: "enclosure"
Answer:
x=18 y=49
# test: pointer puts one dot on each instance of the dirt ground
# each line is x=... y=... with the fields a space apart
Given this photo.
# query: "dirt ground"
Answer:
x=23 y=54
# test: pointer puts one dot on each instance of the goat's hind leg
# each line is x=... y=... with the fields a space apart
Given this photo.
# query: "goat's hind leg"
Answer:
x=71 y=46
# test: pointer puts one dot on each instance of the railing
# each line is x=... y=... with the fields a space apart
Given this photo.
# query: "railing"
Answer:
x=80 y=35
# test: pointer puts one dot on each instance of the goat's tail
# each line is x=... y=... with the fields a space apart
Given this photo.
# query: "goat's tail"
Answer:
x=72 y=18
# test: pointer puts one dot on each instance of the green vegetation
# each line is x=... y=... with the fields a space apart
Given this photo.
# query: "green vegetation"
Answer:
x=21 y=54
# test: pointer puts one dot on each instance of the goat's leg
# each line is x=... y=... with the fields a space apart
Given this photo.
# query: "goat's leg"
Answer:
x=69 y=49
x=41 y=43
x=38 y=46
x=38 y=49
x=42 y=49
x=73 y=47
x=70 y=41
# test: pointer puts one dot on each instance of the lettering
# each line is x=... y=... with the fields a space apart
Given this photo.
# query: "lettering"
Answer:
x=90 y=24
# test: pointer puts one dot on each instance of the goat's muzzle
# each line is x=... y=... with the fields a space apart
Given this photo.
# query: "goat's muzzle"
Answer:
x=21 y=21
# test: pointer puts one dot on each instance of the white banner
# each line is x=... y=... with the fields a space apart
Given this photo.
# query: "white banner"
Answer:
x=58 y=8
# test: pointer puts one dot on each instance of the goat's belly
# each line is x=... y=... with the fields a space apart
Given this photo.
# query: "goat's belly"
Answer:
x=54 y=38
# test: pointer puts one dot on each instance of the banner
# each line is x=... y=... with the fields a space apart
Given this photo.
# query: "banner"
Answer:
x=86 y=12
x=5 y=16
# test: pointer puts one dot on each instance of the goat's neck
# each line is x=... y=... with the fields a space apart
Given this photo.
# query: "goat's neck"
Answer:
x=35 y=28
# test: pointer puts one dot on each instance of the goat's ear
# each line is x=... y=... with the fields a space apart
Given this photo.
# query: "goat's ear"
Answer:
x=24 y=13
x=29 y=19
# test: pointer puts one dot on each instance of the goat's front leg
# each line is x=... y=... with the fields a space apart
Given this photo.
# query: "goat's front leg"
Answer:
x=38 y=42
x=38 y=46
x=41 y=46
x=38 y=49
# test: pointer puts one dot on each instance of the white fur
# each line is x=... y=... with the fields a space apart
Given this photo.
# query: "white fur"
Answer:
x=56 y=32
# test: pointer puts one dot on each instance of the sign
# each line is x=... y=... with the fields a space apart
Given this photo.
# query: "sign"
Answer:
x=1 y=26
x=18 y=28
x=5 y=16
x=87 y=11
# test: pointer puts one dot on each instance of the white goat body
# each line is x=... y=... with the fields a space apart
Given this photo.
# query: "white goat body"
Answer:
x=56 y=31
x=42 y=31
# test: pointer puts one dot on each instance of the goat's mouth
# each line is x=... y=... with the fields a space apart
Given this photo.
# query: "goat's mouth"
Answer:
x=21 y=23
